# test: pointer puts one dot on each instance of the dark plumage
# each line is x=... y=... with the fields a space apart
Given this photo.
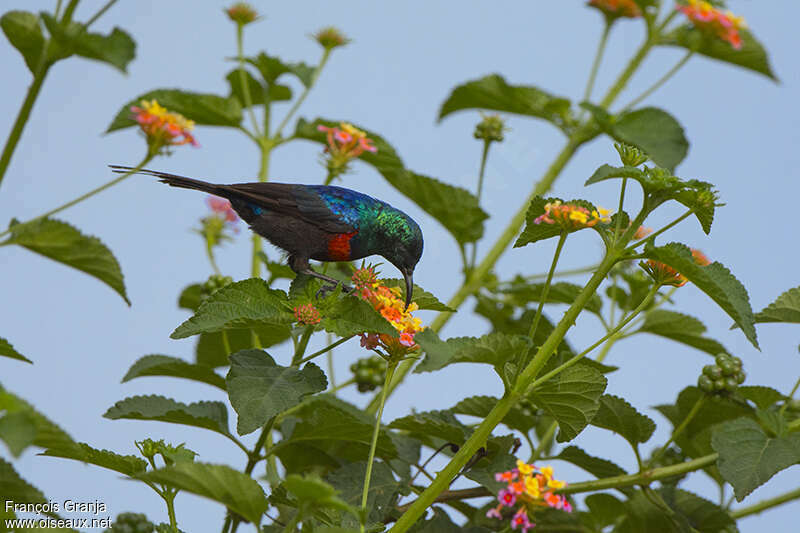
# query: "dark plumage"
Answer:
x=321 y=222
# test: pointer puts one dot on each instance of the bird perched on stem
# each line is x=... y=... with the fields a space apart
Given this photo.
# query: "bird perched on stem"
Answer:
x=321 y=222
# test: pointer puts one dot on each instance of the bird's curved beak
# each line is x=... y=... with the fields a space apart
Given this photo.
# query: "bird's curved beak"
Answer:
x=408 y=275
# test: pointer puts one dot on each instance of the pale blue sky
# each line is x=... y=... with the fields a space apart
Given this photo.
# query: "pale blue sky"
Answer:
x=404 y=60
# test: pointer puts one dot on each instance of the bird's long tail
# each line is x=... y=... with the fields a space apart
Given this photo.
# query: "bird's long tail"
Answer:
x=174 y=180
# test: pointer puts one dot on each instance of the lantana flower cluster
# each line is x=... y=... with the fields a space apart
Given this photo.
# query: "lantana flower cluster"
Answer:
x=617 y=8
x=707 y=18
x=666 y=275
x=214 y=227
x=530 y=487
x=307 y=314
x=345 y=142
x=389 y=303
x=571 y=217
x=161 y=127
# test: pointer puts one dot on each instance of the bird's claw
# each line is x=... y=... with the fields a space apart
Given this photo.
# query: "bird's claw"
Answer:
x=325 y=290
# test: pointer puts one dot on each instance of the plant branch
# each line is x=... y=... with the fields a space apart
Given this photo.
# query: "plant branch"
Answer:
x=326 y=349
x=248 y=101
x=601 y=46
x=652 y=237
x=99 y=14
x=546 y=289
x=304 y=94
x=678 y=430
x=661 y=81
x=766 y=504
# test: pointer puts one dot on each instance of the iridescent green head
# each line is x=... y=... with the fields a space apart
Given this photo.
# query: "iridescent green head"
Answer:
x=401 y=244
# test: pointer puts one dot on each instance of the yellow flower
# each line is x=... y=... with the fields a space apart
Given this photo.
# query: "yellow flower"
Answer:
x=571 y=217
x=524 y=468
x=532 y=487
x=161 y=127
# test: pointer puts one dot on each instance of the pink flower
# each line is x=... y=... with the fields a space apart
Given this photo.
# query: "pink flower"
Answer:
x=494 y=512
x=706 y=18
x=521 y=519
x=506 y=497
x=407 y=339
x=222 y=207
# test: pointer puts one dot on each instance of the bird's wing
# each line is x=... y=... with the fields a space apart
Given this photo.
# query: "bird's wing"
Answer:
x=295 y=201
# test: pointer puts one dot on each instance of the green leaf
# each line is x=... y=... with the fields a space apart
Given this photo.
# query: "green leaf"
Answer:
x=655 y=132
x=314 y=492
x=680 y=328
x=46 y=434
x=204 y=109
x=212 y=351
x=383 y=491
x=617 y=415
x=520 y=417
x=521 y=292
x=604 y=508
x=715 y=280
x=534 y=232
x=439 y=424
x=484 y=470
x=117 y=48
x=23 y=31
x=206 y=415
x=351 y=315
x=494 y=93
x=260 y=389
x=572 y=398
x=688 y=512
x=751 y=55
x=763 y=397
x=191 y=297
x=164 y=365
x=62 y=242
x=748 y=458
x=237 y=491
x=424 y=299
x=456 y=208
x=607 y=172
x=7 y=350
x=129 y=465
x=271 y=68
x=244 y=304
x=277 y=92
x=494 y=349
x=786 y=308
x=599 y=468
x=15 y=489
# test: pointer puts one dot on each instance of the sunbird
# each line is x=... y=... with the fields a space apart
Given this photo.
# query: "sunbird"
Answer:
x=321 y=222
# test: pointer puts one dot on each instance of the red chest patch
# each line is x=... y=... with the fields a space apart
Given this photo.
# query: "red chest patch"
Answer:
x=339 y=246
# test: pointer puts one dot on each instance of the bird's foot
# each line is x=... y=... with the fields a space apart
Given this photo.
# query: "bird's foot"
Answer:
x=325 y=290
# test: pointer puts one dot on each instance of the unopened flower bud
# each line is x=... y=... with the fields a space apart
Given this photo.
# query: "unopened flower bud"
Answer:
x=490 y=128
x=630 y=155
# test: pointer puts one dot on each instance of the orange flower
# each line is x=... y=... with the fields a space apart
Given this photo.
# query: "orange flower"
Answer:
x=571 y=217
x=700 y=258
x=617 y=8
x=641 y=233
x=161 y=127
x=531 y=487
x=708 y=19
x=307 y=314
x=663 y=274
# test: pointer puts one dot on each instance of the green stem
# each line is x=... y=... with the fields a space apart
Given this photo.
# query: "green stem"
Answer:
x=300 y=349
x=342 y=385
x=329 y=361
x=374 y=444
x=619 y=209
x=226 y=343
x=322 y=351
x=304 y=94
x=652 y=237
x=544 y=442
x=248 y=100
x=99 y=14
x=678 y=430
x=789 y=398
x=630 y=69
x=477 y=275
x=546 y=289
x=766 y=504
x=211 y=259
x=58 y=9
x=661 y=81
x=484 y=156
x=601 y=46
x=291 y=527
x=643 y=305
x=499 y=411
x=255 y=262
x=83 y=197
x=170 y=499
x=559 y=274
x=24 y=111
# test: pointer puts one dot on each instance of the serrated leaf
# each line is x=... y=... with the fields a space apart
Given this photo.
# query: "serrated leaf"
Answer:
x=748 y=458
x=129 y=465
x=456 y=208
x=785 y=308
x=522 y=292
x=18 y=431
x=62 y=242
x=206 y=415
x=204 y=109
x=312 y=491
x=259 y=389
x=715 y=280
x=572 y=398
x=383 y=490
x=763 y=397
x=46 y=434
x=494 y=349
x=493 y=92
x=439 y=424
x=617 y=415
x=607 y=172
x=244 y=304
x=350 y=316
x=424 y=299
x=7 y=350
x=23 y=31
x=212 y=350
x=164 y=365
x=680 y=328
x=519 y=417
x=237 y=491
x=598 y=467
x=15 y=489
x=687 y=512
x=117 y=48
x=655 y=132
x=751 y=55
x=277 y=92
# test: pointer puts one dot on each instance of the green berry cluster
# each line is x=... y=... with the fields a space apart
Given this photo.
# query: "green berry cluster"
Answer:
x=490 y=128
x=131 y=523
x=215 y=282
x=370 y=372
x=723 y=376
